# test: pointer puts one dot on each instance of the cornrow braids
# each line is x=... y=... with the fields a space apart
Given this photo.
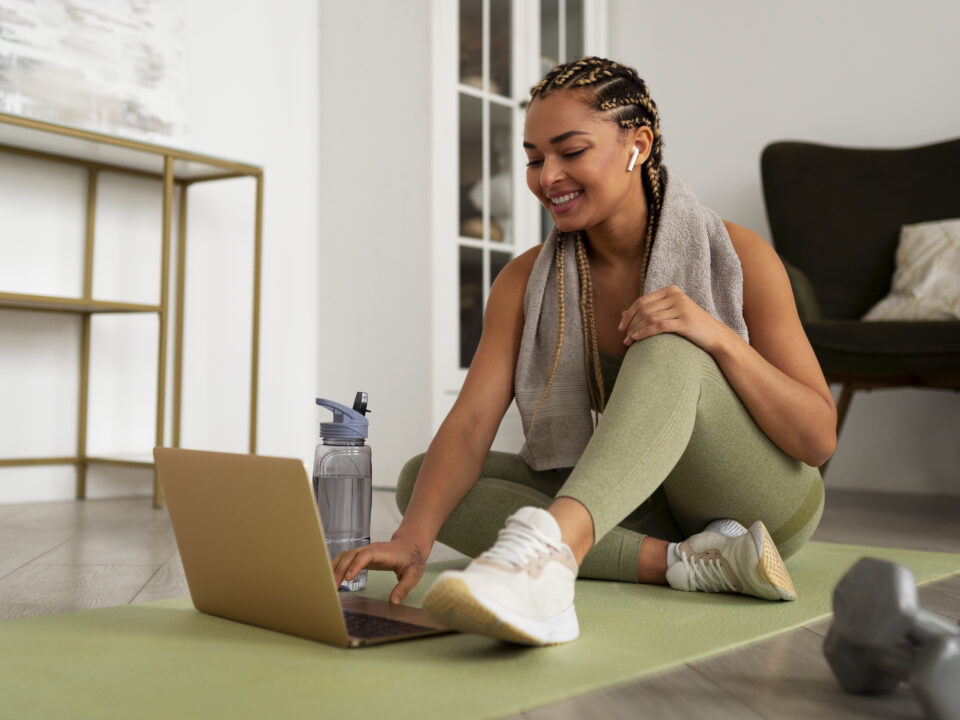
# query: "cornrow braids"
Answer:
x=615 y=91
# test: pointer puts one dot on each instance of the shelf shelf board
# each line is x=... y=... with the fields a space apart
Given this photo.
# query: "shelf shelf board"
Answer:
x=25 y=462
x=20 y=301
x=136 y=460
x=54 y=141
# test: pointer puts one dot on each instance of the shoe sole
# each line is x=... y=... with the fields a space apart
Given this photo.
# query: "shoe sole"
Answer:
x=451 y=603
x=771 y=566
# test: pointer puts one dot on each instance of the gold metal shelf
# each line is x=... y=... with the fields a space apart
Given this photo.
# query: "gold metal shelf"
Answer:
x=18 y=301
x=25 y=462
x=61 y=143
x=177 y=170
x=134 y=460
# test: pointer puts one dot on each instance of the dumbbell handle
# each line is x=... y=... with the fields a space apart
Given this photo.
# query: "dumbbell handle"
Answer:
x=900 y=659
x=928 y=624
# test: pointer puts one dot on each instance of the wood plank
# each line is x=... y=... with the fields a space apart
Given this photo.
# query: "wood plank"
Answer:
x=788 y=677
x=47 y=589
x=681 y=693
x=168 y=582
x=141 y=535
x=29 y=530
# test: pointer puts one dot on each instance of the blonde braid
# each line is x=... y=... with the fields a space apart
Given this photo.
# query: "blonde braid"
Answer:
x=591 y=351
x=559 y=254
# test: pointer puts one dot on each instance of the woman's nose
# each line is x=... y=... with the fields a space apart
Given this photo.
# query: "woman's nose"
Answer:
x=550 y=173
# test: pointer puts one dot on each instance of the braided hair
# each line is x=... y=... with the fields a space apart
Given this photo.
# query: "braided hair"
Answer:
x=614 y=91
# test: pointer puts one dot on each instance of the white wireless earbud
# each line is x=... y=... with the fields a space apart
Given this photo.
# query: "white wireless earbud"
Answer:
x=633 y=158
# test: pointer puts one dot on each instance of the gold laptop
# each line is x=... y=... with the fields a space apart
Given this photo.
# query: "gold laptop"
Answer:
x=253 y=550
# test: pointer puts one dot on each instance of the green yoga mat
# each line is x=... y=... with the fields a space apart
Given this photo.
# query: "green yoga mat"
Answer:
x=164 y=659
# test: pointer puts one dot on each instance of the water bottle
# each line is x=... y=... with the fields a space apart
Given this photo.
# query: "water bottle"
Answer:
x=343 y=481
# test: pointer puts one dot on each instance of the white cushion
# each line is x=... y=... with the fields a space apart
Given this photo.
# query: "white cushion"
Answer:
x=926 y=282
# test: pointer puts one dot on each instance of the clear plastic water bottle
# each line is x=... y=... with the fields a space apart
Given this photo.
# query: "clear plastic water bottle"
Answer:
x=343 y=481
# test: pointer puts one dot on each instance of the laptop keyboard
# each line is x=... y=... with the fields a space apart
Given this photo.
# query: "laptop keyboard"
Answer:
x=365 y=626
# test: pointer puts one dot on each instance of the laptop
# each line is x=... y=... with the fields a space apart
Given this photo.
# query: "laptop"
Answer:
x=252 y=548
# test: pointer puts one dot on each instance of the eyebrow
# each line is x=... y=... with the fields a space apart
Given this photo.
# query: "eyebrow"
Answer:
x=557 y=139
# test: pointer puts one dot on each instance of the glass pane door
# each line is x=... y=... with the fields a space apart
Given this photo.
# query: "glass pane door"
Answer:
x=489 y=146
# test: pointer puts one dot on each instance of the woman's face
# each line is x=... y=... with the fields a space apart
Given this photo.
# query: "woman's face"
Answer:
x=577 y=163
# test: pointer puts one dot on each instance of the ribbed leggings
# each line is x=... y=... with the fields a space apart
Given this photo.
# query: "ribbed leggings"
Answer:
x=674 y=449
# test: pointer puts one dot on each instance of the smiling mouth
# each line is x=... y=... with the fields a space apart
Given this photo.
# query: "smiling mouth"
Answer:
x=564 y=199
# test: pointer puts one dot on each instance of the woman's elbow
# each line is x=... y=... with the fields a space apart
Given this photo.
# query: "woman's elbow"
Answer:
x=820 y=448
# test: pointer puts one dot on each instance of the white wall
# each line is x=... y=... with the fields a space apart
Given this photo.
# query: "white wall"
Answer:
x=731 y=77
x=252 y=73
x=375 y=253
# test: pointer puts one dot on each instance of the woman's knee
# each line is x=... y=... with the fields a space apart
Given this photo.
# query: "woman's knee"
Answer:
x=667 y=349
x=667 y=362
x=406 y=481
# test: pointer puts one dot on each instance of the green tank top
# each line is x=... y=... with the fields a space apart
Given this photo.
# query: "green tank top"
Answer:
x=609 y=369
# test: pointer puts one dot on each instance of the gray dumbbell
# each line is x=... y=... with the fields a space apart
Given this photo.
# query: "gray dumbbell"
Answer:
x=880 y=638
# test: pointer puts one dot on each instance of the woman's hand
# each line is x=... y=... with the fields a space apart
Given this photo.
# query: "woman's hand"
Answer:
x=671 y=310
x=406 y=559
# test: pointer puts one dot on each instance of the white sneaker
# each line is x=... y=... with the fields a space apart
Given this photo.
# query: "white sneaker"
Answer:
x=520 y=590
x=747 y=563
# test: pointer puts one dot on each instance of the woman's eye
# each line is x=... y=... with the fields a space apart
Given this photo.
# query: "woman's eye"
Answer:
x=574 y=153
x=534 y=163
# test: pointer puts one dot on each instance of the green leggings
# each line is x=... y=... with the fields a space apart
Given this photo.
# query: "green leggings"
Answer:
x=674 y=449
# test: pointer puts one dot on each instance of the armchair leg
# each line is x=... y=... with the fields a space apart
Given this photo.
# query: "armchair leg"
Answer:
x=842 y=406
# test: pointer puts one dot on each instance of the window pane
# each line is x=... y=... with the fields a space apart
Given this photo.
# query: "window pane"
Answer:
x=471 y=167
x=471 y=302
x=498 y=261
x=471 y=42
x=549 y=35
x=502 y=149
x=574 y=29
x=500 y=34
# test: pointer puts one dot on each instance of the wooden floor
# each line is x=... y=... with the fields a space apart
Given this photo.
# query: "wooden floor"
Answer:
x=56 y=557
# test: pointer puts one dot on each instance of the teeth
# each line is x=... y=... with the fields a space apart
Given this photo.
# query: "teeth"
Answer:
x=566 y=198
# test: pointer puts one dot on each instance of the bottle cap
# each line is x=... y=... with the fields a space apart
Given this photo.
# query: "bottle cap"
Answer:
x=348 y=423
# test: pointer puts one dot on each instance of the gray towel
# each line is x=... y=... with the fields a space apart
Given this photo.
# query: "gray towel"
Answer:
x=691 y=250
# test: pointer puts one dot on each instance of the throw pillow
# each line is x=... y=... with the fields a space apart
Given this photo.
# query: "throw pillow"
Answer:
x=926 y=282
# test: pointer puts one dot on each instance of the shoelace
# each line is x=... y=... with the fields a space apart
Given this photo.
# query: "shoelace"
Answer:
x=707 y=575
x=517 y=543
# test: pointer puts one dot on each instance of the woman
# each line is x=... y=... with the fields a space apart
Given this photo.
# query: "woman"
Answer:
x=678 y=327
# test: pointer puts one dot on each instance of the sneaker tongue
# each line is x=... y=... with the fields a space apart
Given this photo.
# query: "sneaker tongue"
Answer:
x=539 y=519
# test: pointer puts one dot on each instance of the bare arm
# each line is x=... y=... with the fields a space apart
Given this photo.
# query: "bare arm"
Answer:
x=455 y=457
x=459 y=449
x=777 y=375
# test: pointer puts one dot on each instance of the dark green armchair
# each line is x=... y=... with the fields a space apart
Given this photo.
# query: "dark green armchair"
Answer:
x=835 y=215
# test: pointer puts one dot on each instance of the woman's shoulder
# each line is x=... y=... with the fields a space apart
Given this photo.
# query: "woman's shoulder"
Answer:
x=758 y=258
x=746 y=242
x=512 y=280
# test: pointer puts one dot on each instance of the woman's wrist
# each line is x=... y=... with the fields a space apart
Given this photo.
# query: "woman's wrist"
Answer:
x=412 y=536
x=725 y=342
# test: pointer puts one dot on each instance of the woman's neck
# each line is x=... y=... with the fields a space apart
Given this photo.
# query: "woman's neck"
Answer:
x=619 y=239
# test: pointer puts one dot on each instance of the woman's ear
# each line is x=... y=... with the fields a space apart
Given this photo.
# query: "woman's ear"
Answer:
x=643 y=141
